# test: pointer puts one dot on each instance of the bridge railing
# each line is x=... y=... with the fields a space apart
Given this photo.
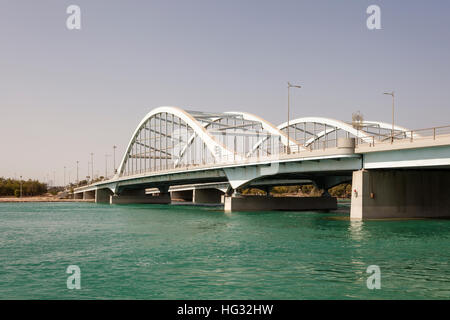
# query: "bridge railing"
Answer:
x=235 y=159
x=310 y=149
x=427 y=134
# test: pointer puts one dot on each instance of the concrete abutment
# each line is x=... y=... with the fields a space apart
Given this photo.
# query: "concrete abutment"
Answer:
x=207 y=196
x=265 y=203
x=89 y=195
x=183 y=195
x=379 y=194
x=103 y=195
x=78 y=196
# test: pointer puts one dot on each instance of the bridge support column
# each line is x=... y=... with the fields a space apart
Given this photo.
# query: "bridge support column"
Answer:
x=185 y=195
x=207 y=196
x=139 y=196
x=89 y=195
x=78 y=195
x=264 y=203
x=102 y=195
x=400 y=194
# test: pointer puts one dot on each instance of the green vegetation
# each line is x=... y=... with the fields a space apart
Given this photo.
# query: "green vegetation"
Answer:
x=343 y=190
x=11 y=187
x=55 y=190
x=81 y=183
x=253 y=191
x=285 y=190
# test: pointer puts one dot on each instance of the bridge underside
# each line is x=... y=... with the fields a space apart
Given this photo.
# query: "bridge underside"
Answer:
x=376 y=193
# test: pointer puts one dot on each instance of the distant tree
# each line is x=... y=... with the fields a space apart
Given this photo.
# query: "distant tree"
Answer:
x=253 y=191
x=82 y=183
x=8 y=187
x=343 y=190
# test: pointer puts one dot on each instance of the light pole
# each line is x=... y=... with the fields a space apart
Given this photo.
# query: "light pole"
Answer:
x=64 y=176
x=88 y=175
x=114 y=158
x=92 y=166
x=21 y=186
x=288 y=149
x=78 y=181
x=106 y=165
x=393 y=101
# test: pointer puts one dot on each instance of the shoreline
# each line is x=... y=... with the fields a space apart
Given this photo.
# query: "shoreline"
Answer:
x=40 y=199
x=55 y=199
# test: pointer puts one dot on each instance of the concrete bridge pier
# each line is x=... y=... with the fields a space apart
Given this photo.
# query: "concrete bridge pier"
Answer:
x=266 y=203
x=207 y=196
x=103 y=195
x=89 y=195
x=78 y=195
x=136 y=196
x=378 y=194
x=183 y=195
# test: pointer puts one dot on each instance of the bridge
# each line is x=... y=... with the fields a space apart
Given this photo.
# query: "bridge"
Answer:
x=210 y=157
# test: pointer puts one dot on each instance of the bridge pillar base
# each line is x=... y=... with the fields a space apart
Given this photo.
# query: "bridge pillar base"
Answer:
x=264 y=203
x=78 y=196
x=400 y=194
x=89 y=195
x=102 y=195
x=184 y=195
x=162 y=198
x=207 y=196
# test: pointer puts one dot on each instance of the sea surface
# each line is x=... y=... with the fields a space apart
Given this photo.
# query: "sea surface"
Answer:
x=186 y=252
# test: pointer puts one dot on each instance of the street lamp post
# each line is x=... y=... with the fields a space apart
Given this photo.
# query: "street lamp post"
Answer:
x=114 y=158
x=92 y=166
x=288 y=149
x=393 y=101
x=21 y=186
x=106 y=165
x=78 y=181
x=64 y=176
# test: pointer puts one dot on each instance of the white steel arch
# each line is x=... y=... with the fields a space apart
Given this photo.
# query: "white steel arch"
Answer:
x=272 y=129
x=381 y=125
x=337 y=124
x=269 y=127
x=192 y=137
x=170 y=137
x=213 y=146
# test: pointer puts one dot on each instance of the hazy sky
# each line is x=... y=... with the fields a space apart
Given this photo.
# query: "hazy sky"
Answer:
x=66 y=93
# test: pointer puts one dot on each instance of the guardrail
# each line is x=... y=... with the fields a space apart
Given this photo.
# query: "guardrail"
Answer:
x=430 y=134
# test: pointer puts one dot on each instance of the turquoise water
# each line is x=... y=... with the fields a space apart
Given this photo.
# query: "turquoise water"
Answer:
x=182 y=252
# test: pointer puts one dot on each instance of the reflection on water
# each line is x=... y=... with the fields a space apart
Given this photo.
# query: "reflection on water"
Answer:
x=356 y=230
